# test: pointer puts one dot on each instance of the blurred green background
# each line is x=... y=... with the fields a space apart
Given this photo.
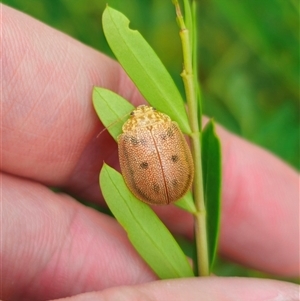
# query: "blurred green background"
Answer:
x=248 y=60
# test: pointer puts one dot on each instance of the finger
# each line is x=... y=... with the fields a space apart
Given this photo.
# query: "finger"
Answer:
x=260 y=211
x=48 y=121
x=52 y=246
x=204 y=289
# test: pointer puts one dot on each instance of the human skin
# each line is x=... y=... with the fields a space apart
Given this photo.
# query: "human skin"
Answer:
x=53 y=247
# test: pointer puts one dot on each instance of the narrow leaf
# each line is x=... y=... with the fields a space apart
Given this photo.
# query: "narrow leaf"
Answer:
x=144 y=67
x=146 y=232
x=211 y=162
x=112 y=109
x=187 y=203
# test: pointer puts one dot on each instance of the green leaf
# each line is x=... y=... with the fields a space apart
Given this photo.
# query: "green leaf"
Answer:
x=187 y=203
x=146 y=232
x=144 y=67
x=112 y=109
x=211 y=164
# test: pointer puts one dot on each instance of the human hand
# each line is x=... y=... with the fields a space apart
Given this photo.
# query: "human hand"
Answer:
x=52 y=246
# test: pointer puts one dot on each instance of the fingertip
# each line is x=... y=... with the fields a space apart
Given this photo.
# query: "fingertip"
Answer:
x=204 y=289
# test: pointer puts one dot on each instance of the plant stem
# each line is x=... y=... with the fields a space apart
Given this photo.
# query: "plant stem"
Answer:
x=190 y=84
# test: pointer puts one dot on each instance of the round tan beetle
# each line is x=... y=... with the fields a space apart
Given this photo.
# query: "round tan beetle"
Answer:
x=155 y=158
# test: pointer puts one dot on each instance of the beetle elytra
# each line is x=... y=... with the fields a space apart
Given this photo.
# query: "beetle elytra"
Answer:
x=155 y=158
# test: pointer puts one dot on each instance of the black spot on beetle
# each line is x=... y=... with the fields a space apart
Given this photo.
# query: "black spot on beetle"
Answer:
x=174 y=158
x=143 y=142
x=156 y=188
x=170 y=132
x=167 y=134
x=174 y=182
x=134 y=141
x=163 y=137
x=144 y=165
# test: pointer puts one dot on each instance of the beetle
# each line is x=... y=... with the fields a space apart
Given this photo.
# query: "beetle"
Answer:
x=155 y=159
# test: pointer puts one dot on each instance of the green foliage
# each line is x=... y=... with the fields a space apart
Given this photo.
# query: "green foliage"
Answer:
x=154 y=82
x=112 y=110
x=146 y=232
x=144 y=67
x=211 y=165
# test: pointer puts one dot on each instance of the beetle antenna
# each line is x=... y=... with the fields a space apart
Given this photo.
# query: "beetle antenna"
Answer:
x=120 y=119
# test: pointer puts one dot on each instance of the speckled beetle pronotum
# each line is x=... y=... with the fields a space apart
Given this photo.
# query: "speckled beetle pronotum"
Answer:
x=155 y=158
